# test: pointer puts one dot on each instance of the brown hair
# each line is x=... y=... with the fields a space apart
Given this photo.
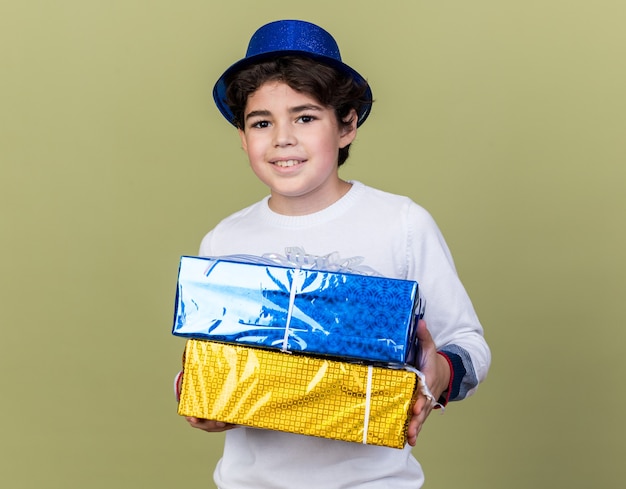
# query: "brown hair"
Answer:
x=320 y=81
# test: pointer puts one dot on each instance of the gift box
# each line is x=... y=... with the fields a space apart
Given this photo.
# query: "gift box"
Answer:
x=347 y=315
x=297 y=393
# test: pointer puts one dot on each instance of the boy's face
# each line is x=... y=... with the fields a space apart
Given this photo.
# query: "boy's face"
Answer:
x=292 y=142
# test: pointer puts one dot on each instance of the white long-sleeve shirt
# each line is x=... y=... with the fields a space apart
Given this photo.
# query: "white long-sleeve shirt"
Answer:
x=399 y=239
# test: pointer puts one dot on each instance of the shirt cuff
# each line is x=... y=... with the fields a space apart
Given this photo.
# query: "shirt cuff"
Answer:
x=457 y=373
x=445 y=396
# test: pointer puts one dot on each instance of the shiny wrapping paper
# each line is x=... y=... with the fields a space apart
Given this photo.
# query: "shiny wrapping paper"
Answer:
x=297 y=393
x=346 y=315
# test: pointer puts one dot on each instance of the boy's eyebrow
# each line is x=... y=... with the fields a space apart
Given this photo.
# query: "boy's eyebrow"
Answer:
x=258 y=113
x=304 y=108
x=293 y=110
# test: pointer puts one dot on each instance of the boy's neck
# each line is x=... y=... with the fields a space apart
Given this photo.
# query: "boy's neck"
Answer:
x=307 y=204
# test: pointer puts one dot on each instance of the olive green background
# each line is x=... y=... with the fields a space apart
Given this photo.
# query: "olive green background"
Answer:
x=506 y=120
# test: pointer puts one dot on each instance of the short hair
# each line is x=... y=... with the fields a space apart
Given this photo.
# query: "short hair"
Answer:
x=328 y=86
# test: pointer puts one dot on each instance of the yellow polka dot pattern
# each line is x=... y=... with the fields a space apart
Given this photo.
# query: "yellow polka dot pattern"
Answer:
x=295 y=393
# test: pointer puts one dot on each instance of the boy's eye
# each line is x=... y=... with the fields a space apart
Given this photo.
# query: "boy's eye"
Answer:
x=306 y=118
x=260 y=124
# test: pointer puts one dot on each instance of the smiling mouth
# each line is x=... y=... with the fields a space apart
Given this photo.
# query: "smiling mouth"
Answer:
x=286 y=163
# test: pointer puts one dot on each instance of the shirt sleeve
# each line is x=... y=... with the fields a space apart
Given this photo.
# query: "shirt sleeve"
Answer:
x=449 y=313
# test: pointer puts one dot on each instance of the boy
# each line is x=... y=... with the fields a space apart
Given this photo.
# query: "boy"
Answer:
x=297 y=108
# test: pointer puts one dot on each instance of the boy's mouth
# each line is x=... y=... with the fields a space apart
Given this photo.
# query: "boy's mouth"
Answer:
x=286 y=163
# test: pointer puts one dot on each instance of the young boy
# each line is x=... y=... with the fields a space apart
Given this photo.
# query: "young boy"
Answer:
x=297 y=108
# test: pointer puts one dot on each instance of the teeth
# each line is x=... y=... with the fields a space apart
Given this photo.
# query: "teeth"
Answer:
x=284 y=164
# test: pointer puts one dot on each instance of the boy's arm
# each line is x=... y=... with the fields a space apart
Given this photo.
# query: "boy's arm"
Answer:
x=451 y=318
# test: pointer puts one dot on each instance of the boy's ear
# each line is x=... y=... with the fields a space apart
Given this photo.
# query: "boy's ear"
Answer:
x=242 y=136
x=348 y=133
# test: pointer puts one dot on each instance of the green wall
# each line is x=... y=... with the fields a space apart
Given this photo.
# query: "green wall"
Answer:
x=505 y=119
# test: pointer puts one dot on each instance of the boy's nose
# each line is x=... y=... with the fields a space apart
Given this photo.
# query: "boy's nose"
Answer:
x=283 y=135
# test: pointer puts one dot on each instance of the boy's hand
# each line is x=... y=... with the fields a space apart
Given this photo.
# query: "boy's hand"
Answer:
x=437 y=372
x=208 y=424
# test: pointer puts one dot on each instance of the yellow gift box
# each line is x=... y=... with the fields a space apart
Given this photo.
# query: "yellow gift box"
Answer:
x=296 y=393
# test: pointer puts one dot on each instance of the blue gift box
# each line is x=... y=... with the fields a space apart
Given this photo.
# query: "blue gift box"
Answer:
x=345 y=315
